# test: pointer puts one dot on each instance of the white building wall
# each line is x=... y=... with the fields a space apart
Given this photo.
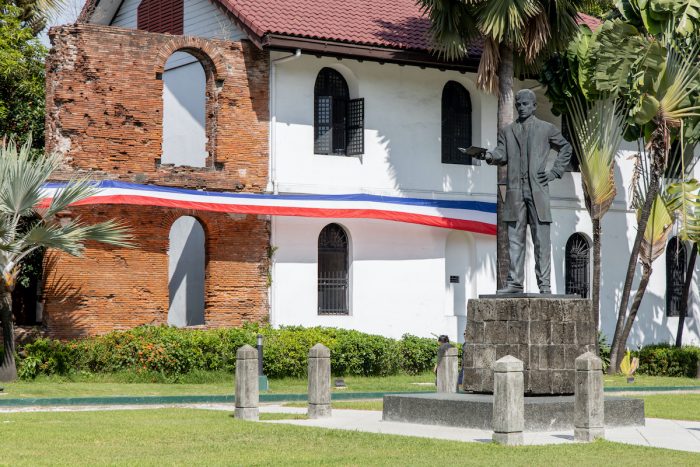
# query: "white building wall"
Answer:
x=201 y=18
x=399 y=272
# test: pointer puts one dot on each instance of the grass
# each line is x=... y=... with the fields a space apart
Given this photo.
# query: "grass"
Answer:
x=371 y=404
x=675 y=407
x=265 y=417
x=204 y=437
x=211 y=384
x=221 y=383
x=647 y=381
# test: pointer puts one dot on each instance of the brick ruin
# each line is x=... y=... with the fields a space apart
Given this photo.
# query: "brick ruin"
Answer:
x=104 y=115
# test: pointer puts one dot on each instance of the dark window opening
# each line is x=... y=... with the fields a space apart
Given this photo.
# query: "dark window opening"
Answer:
x=578 y=257
x=567 y=131
x=675 y=276
x=163 y=16
x=338 y=120
x=456 y=123
x=333 y=283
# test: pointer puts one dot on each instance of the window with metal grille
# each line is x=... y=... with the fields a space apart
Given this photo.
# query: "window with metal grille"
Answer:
x=456 y=123
x=164 y=16
x=675 y=276
x=339 y=122
x=333 y=284
x=567 y=132
x=578 y=258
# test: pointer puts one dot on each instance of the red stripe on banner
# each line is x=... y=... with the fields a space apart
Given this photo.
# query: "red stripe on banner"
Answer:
x=422 y=219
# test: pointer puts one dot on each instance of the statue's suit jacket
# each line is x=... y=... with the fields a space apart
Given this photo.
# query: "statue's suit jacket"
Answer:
x=542 y=136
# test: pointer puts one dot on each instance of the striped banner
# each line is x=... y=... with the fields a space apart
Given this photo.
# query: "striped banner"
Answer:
x=472 y=216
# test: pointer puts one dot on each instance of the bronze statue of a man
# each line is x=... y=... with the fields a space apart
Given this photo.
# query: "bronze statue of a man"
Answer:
x=524 y=146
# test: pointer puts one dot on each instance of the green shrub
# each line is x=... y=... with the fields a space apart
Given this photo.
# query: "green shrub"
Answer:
x=665 y=360
x=417 y=354
x=168 y=354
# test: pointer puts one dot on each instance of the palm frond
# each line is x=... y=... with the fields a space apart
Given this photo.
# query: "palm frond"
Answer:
x=71 y=236
x=683 y=199
x=72 y=192
x=22 y=178
x=656 y=233
x=597 y=134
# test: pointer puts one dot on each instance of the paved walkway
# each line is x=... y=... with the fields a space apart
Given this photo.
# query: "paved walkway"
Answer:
x=671 y=434
x=660 y=433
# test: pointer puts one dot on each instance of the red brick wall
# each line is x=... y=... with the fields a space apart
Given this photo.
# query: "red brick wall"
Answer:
x=104 y=114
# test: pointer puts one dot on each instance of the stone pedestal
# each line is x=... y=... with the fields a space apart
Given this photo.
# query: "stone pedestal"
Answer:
x=546 y=334
x=247 y=392
x=319 y=382
x=589 y=409
x=447 y=373
x=508 y=401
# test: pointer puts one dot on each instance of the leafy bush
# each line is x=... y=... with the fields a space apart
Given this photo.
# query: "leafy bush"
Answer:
x=665 y=360
x=604 y=350
x=169 y=353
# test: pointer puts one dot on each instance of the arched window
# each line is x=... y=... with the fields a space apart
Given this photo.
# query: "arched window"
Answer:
x=164 y=16
x=578 y=257
x=675 y=276
x=456 y=123
x=333 y=283
x=184 y=111
x=338 y=120
x=186 y=273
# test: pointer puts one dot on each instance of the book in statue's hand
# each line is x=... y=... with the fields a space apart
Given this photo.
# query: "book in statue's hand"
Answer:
x=473 y=151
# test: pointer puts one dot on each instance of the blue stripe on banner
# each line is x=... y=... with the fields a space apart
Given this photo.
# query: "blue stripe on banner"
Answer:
x=437 y=203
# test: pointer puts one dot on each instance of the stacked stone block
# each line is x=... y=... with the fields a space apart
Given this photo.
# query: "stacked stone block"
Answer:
x=546 y=334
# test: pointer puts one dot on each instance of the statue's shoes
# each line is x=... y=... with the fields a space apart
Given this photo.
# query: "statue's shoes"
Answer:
x=509 y=289
x=546 y=291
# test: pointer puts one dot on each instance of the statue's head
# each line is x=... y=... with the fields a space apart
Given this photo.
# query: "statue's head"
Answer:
x=525 y=103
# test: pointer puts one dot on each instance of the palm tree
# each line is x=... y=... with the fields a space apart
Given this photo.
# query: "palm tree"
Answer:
x=658 y=78
x=684 y=199
x=514 y=32
x=22 y=178
x=597 y=134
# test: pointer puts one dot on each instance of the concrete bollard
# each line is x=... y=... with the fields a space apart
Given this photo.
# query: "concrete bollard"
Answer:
x=247 y=390
x=447 y=372
x=319 y=381
x=508 y=401
x=589 y=399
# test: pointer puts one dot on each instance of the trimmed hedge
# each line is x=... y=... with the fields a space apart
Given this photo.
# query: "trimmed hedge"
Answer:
x=665 y=360
x=172 y=352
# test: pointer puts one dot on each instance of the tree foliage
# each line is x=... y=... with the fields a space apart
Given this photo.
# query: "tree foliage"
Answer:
x=21 y=76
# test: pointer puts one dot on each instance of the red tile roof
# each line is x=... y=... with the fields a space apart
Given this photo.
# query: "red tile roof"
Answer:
x=395 y=24
x=392 y=24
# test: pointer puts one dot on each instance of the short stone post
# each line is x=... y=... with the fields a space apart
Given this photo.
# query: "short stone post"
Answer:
x=247 y=389
x=447 y=372
x=319 y=381
x=589 y=399
x=508 y=401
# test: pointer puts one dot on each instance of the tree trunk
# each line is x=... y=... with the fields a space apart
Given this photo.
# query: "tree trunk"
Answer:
x=686 y=292
x=8 y=370
x=595 y=292
x=657 y=166
x=646 y=274
x=505 y=118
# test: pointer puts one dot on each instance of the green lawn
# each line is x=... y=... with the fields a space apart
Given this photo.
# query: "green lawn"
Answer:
x=676 y=406
x=203 y=437
x=125 y=384
x=215 y=384
x=646 y=381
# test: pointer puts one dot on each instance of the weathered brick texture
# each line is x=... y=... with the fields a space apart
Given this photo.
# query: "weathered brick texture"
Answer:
x=104 y=115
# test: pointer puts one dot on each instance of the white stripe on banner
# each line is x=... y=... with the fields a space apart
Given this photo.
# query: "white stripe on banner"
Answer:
x=473 y=216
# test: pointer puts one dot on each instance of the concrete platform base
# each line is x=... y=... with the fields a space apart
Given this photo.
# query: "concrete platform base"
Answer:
x=544 y=413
